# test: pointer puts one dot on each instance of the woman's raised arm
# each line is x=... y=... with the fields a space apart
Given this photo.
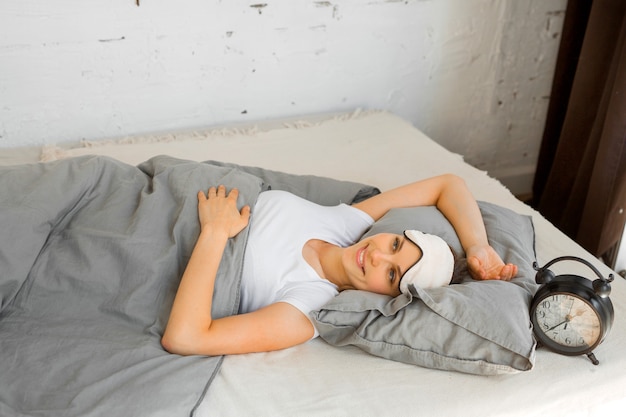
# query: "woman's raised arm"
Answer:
x=451 y=196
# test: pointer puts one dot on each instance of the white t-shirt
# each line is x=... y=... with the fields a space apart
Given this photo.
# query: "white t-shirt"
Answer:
x=274 y=269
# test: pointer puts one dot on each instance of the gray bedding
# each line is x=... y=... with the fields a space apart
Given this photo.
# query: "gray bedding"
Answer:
x=91 y=254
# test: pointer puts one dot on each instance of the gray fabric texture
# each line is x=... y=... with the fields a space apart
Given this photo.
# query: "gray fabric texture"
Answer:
x=91 y=254
x=471 y=327
x=321 y=190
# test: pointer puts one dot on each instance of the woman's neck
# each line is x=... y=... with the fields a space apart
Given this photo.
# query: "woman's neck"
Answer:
x=326 y=259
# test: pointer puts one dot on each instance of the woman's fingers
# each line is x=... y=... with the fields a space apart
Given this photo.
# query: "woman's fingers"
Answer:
x=245 y=213
x=219 y=191
x=509 y=271
x=479 y=272
x=219 y=209
x=233 y=194
x=476 y=268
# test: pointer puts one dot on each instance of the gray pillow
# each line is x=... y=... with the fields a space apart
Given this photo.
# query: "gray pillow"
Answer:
x=478 y=327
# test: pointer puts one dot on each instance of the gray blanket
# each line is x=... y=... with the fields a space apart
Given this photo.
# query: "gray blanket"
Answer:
x=91 y=254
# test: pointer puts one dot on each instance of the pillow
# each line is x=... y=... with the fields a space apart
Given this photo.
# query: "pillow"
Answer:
x=477 y=327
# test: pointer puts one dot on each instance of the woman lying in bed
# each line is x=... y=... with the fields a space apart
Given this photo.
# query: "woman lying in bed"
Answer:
x=299 y=255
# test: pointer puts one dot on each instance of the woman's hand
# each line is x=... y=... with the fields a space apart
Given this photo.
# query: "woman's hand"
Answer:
x=484 y=263
x=218 y=212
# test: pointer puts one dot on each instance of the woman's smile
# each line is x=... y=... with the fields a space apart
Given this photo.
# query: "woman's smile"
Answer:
x=360 y=258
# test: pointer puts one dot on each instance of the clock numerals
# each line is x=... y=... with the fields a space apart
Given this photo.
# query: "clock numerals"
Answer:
x=568 y=321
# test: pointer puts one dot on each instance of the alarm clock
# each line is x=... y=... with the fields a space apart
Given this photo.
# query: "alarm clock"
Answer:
x=571 y=315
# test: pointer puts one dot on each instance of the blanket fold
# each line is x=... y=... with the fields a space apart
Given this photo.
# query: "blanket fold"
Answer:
x=91 y=254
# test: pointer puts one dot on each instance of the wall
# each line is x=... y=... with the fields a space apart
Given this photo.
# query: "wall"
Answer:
x=475 y=75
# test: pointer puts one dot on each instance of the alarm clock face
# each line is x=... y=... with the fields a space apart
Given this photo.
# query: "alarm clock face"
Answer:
x=567 y=321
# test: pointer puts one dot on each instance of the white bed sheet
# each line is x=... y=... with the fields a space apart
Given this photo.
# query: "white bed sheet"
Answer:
x=316 y=379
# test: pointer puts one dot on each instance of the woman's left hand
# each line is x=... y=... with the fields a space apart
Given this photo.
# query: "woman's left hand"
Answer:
x=484 y=263
x=217 y=211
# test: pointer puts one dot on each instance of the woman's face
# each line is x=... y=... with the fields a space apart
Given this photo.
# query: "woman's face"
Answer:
x=377 y=263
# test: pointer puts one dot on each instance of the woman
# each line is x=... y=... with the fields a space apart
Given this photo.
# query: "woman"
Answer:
x=378 y=263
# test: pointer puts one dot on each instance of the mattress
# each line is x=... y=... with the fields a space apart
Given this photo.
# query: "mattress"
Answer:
x=316 y=379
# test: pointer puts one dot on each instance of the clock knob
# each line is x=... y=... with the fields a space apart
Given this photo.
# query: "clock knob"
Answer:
x=602 y=286
x=544 y=275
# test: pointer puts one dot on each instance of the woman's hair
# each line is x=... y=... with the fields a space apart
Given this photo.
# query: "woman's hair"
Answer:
x=460 y=268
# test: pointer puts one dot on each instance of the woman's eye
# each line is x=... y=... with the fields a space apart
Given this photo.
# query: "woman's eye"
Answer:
x=396 y=243
x=392 y=275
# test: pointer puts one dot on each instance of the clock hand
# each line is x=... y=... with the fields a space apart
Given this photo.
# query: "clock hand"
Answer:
x=561 y=323
x=567 y=318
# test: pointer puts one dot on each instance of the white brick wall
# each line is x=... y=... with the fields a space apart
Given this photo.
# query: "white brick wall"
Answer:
x=473 y=74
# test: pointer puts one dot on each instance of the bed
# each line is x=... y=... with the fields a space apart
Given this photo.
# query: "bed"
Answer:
x=318 y=379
